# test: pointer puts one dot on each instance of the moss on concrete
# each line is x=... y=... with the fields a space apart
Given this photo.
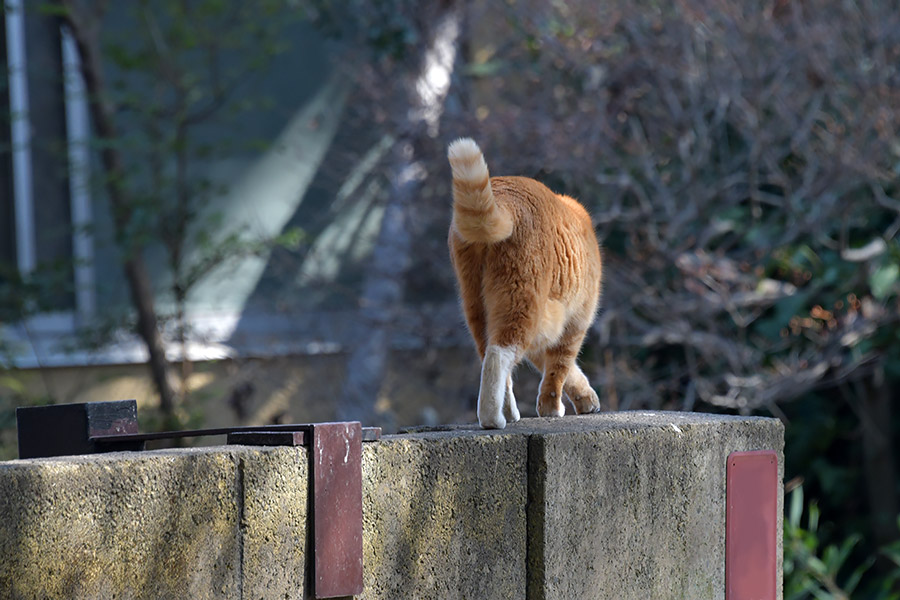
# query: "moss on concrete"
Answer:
x=156 y=525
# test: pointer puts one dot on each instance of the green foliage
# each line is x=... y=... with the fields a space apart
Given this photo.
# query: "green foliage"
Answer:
x=891 y=553
x=182 y=77
x=883 y=280
x=811 y=571
x=45 y=289
x=211 y=252
x=388 y=28
x=829 y=571
x=175 y=79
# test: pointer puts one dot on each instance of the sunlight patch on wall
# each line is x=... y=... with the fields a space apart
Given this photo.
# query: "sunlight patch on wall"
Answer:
x=357 y=219
x=262 y=201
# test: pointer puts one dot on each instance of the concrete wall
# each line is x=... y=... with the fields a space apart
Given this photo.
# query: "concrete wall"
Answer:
x=618 y=505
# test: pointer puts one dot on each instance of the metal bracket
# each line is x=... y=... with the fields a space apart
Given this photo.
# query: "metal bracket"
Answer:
x=335 y=470
x=88 y=428
x=65 y=429
x=335 y=476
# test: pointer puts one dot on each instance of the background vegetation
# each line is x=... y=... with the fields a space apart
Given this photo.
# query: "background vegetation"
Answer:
x=740 y=159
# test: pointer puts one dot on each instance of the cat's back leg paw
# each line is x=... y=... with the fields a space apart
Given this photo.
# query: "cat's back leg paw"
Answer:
x=586 y=403
x=583 y=397
x=551 y=409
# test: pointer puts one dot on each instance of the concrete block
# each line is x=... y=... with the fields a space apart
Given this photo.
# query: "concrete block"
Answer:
x=619 y=506
x=150 y=525
x=444 y=516
x=632 y=505
x=274 y=522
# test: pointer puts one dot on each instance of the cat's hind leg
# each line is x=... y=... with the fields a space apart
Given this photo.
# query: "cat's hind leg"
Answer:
x=561 y=373
x=580 y=392
x=556 y=369
x=551 y=384
x=496 y=371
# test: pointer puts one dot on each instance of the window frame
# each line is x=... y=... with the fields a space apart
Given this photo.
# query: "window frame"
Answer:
x=37 y=334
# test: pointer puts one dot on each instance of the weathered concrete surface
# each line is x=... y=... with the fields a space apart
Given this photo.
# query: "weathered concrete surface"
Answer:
x=274 y=523
x=156 y=525
x=444 y=516
x=201 y=523
x=619 y=506
x=632 y=505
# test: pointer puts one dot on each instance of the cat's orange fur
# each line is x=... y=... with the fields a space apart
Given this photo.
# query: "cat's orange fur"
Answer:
x=529 y=268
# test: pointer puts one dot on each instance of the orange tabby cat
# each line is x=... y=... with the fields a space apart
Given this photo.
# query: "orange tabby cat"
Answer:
x=529 y=269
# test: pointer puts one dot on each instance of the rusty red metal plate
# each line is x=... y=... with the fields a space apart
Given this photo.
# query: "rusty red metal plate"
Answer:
x=336 y=460
x=751 y=521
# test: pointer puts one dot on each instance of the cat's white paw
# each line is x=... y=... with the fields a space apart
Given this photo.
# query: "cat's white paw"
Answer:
x=492 y=421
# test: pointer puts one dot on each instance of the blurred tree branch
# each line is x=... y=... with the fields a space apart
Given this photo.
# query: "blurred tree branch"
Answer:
x=741 y=160
x=85 y=31
x=425 y=86
x=155 y=74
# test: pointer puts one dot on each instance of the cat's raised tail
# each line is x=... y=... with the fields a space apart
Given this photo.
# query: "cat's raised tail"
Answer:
x=476 y=214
